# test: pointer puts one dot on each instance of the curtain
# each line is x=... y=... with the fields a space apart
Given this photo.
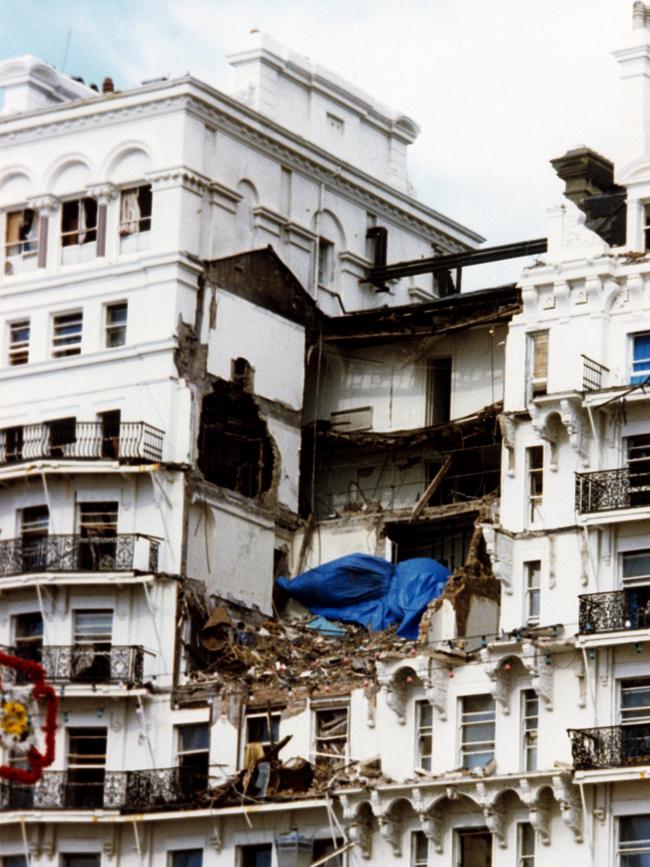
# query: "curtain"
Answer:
x=130 y=213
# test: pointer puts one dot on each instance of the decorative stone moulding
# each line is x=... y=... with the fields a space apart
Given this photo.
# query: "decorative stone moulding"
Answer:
x=498 y=667
x=422 y=671
x=567 y=411
x=535 y=791
x=499 y=548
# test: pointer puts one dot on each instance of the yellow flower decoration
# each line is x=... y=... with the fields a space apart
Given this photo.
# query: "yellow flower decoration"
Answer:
x=14 y=719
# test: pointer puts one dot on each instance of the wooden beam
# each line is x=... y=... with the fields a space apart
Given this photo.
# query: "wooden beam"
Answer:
x=431 y=487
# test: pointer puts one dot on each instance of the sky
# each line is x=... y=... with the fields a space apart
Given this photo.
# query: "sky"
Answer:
x=498 y=87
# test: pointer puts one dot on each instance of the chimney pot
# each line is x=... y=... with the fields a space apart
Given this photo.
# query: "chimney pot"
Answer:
x=107 y=85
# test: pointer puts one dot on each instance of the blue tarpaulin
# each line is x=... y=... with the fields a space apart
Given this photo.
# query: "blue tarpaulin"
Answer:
x=370 y=591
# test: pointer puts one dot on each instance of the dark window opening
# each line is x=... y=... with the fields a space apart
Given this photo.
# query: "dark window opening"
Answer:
x=472 y=474
x=241 y=373
x=21 y=235
x=234 y=445
x=475 y=848
x=439 y=391
x=79 y=222
x=14 y=439
x=322 y=848
x=110 y=422
x=97 y=532
x=86 y=767
x=91 y=657
x=193 y=755
x=325 y=262
x=255 y=856
x=638 y=462
x=63 y=434
x=28 y=639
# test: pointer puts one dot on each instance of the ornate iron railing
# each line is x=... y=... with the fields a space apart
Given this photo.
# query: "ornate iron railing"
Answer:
x=85 y=664
x=614 y=611
x=593 y=374
x=134 y=441
x=95 y=789
x=77 y=554
x=625 y=488
x=610 y=747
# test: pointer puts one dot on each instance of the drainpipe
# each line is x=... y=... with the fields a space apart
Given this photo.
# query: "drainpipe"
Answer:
x=319 y=211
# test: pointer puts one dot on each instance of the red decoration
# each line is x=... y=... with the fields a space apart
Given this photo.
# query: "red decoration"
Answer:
x=36 y=759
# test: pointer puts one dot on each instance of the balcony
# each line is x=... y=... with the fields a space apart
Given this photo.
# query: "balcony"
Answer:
x=610 y=747
x=97 y=789
x=131 y=442
x=124 y=552
x=616 y=611
x=113 y=664
x=609 y=490
x=594 y=374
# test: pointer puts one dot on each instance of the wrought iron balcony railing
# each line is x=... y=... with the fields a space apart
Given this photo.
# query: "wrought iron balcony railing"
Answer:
x=131 y=441
x=593 y=374
x=84 y=664
x=625 y=488
x=124 y=552
x=95 y=789
x=610 y=747
x=615 y=611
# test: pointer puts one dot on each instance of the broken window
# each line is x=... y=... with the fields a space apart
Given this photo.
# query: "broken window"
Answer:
x=419 y=849
x=86 y=767
x=474 y=473
x=135 y=210
x=475 y=848
x=535 y=465
x=477 y=730
x=66 y=334
x=445 y=541
x=262 y=728
x=97 y=535
x=34 y=532
x=322 y=848
x=525 y=845
x=532 y=569
x=241 y=373
x=13 y=444
x=193 y=756
x=79 y=222
x=116 y=324
x=28 y=639
x=530 y=720
x=62 y=435
x=438 y=391
x=424 y=713
x=538 y=362
x=331 y=736
x=21 y=234
x=255 y=856
x=19 y=342
x=235 y=448
x=92 y=636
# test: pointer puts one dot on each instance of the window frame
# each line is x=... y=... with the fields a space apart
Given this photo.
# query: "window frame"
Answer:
x=533 y=591
x=636 y=378
x=325 y=251
x=536 y=385
x=172 y=853
x=414 y=859
x=421 y=733
x=620 y=853
x=66 y=349
x=82 y=230
x=525 y=859
x=18 y=350
x=323 y=757
x=111 y=327
x=534 y=499
x=124 y=224
x=28 y=246
x=529 y=695
x=464 y=722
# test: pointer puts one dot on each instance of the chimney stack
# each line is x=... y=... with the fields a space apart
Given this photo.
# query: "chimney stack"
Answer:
x=585 y=173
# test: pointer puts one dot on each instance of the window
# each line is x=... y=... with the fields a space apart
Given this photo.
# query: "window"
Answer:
x=530 y=724
x=110 y=422
x=477 y=730
x=97 y=535
x=635 y=700
x=535 y=464
x=532 y=570
x=66 y=338
x=438 y=391
x=14 y=861
x=62 y=436
x=116 y=324
x=638 y=464
x=21 y=234
x=81 y=861
x=28 y=636
x=419 y=849
x=262 y=728
x=640 y=358
x=636 y=567
x=634 y=841
x=135 y=210
x=19 y=342
x=255 y=856
x=78 y=222
x=33 y=538
x=424 y=715
x=331 y=740
x=186 y=858
x=91 y=655
x=193 y=756
x=325 y=262
x=12 y=441
x=86 y=767
x=538 y=362
x=525 y=845
x=475 y=848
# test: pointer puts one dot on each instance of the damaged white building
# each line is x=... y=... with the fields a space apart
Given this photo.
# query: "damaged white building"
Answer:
x=234 y=347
